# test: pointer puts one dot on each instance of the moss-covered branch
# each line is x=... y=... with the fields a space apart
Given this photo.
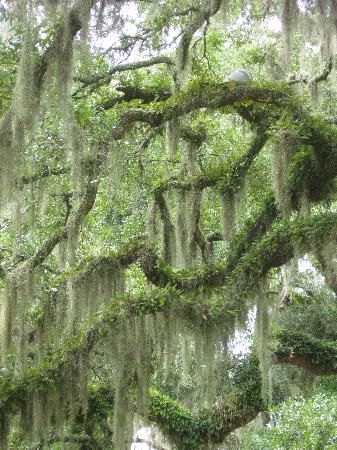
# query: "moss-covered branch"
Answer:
x=73 y=24
x=202 y=95
x=300 y=349
x=129 y=93
x=13 y=390
x=315 y=164
x=199 y=17
x=274 y=250
x=190 y=431
x=225 y=177
x=74 y=221
x=211 y=426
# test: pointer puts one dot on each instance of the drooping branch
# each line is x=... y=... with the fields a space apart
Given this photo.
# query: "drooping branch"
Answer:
x=154 y=118
x=74 y=24
x=312 y=170
x=13 y=390
x=189 y=430
x=213 y=425
x=315 y=166
x=317 y=356
x=273 y=250
x=322 y=138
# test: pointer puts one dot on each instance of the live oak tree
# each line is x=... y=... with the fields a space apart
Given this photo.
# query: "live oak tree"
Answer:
x=149 y=207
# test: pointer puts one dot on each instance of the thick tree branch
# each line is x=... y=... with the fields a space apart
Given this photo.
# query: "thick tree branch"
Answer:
x=74 y=24
x=201 y=96
x=211 y=426
x=214 y=425
x=317 y=356
x=190 y=431
x=155 y=118
x=13 y=390
x=226 y=177
x=274 y=250
x=133 y=93
x=312 y=172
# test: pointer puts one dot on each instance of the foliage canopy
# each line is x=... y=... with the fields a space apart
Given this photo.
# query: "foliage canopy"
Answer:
x=158 y=217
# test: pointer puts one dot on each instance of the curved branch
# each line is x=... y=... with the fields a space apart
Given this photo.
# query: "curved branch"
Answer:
x=202 y=15
x=190 y=431
x=321 y=77
x=317 y=356
x=313 y=168
x=227 y=96
x=74 y=221
x=226 y=177
x=100 y=80
x=210 y=426
x=274 y=250
x=13 y=390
